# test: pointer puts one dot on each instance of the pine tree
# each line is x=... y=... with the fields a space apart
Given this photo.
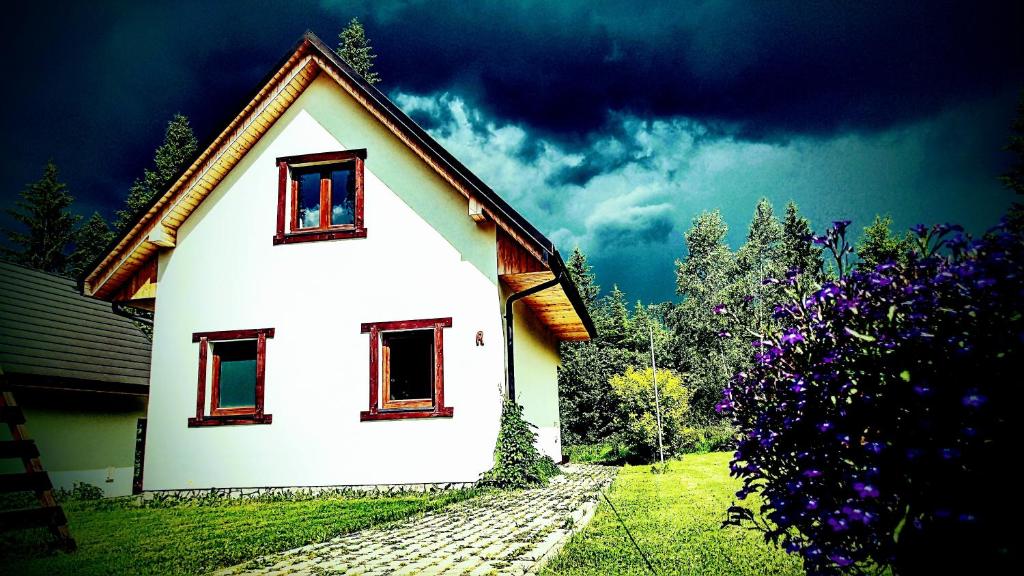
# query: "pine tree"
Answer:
x=170 y=158
x=91 y=240
x=880 y=245
x=44 y=212
x=798 y=250
x=583 y=277
x=356 y=51
x=617 y=317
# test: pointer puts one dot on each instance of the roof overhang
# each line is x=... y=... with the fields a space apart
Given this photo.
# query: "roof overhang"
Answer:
x=126 y=266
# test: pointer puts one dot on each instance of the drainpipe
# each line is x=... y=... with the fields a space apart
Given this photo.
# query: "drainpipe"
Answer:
x=509 y=336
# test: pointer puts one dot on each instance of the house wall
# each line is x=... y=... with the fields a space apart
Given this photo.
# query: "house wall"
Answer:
x=537 y=361
x=423 y=258
x=82 y=437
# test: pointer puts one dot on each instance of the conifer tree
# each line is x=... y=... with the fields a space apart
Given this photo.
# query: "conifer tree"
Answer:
x=355 y=49
x=798 y=250
x=91 y=240
x=880 y=245
x=49 y=226
x=170 y=158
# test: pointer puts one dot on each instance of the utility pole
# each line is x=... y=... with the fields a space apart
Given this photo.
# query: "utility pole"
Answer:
x=657 y=398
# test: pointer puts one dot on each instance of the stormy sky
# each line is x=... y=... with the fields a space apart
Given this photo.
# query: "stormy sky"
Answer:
x=610 y=125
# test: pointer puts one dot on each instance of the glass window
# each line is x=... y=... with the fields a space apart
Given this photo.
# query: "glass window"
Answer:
x=408 y=366
x=235 y=373
x=343 y=196
x=308 y=204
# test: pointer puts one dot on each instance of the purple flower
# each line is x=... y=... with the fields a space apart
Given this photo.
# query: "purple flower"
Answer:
x=865 y=491
x=719 y=309
x=792 y=336
x=873 y=447
x=812 y=473
x=973 y=399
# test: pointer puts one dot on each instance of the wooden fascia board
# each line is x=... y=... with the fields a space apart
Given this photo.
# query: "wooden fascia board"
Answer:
x=93 y=284
x=200 y=169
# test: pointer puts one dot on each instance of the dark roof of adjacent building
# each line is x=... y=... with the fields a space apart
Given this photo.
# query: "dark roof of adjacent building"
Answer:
x=50 y=334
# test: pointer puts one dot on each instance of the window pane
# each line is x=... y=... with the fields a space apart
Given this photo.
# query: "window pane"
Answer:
x=343 y=196
x=412 y=364
x=237 y=373
x=309 y=199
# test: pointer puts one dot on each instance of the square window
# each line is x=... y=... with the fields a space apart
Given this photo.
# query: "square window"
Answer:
x=320 y=197
x=234 y=377
x=407 y=364
x=233 y=362
x=407 y=369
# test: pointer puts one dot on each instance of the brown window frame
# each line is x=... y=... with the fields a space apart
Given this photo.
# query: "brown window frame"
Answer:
x=238 y=415
x=381 y=407
x=288 y=167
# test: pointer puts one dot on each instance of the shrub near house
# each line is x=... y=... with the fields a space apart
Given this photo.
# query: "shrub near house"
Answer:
x=877 y=425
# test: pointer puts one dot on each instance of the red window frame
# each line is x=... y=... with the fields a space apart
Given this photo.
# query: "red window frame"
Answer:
x=288 y=167
x=379 y=410
x=228 y=416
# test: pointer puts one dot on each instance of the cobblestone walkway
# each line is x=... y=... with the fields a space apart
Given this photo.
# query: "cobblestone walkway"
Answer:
x=503 y=533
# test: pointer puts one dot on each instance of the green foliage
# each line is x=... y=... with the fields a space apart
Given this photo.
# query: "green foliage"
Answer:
x=91 y=241
x=587 y=404
x=49 y=226
x=517 y=462
x=760 y=259
x=118 y=537
x=600 y=453
x=80 y=491
x=636 y=415
x=710 y=438
x=583 y=277
x=676 y=519
x=354 y=48
x=705 y=278
x=170 y=158
x=879 y=245
x=798 y=251
x=1014 y=178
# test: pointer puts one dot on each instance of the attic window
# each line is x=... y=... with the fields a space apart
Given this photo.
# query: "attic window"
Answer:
x=320 y=197
x=407 y=369
x=234 y=363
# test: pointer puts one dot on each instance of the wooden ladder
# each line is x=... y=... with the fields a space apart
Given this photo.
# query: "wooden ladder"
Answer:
x=35 y=478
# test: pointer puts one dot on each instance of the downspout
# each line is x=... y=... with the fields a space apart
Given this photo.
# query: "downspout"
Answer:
x=509 y=332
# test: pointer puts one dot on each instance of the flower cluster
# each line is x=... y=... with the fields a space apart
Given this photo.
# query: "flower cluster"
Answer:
x=874 y=424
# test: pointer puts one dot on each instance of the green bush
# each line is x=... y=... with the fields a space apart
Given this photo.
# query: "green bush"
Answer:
x=636 y=415
x=605 y=453
x=517 y=462
x=80 y=491
x=712 y=438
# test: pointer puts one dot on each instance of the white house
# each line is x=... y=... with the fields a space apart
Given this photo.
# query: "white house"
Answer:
x=329 y=288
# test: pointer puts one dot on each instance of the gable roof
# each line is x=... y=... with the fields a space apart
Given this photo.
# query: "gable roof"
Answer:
x=53 y=335
x=156 y=225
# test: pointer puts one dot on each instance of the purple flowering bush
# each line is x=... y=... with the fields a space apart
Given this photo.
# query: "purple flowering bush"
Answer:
x=876 y=424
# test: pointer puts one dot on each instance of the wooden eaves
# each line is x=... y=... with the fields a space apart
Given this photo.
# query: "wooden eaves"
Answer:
x=127 y=272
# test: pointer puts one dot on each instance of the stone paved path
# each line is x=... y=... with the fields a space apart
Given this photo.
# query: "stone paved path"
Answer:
x=503 y=533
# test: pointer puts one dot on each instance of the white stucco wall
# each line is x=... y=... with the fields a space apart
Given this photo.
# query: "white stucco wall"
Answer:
x=537 y=362
x=423 y=258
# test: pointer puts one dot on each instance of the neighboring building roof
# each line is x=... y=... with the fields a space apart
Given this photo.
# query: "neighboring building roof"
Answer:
x=115 y=276
x=52 y=335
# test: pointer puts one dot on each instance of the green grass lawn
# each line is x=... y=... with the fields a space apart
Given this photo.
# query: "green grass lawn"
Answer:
x=676 y=518
x=115 y=537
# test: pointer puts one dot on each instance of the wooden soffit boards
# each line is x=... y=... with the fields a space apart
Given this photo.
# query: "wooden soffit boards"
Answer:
x=552 y=306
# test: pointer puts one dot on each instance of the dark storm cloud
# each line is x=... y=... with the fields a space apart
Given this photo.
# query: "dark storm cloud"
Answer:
x=767 y=68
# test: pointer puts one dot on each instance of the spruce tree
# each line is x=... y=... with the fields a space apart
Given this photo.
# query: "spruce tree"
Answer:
x=91 y=240
x=355 y=49
x=49 y=226
x=879 y=245
x=170 y=158
x=798 y=250
x=583 y=277
x=617 y=315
